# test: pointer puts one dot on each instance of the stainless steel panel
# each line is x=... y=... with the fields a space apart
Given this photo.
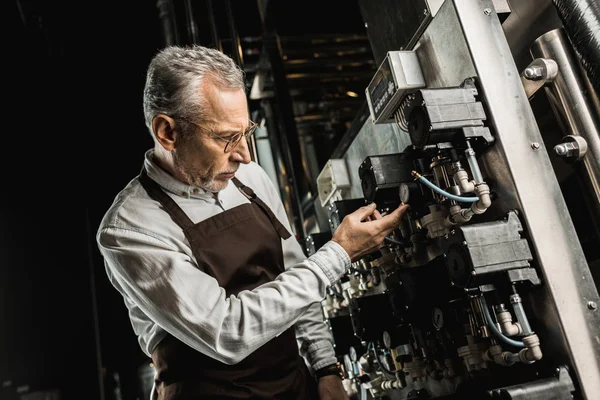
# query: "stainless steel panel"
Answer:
x=443 y=52
x=520 y=146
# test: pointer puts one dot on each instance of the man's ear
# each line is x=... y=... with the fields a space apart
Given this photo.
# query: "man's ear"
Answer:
x=163 y=127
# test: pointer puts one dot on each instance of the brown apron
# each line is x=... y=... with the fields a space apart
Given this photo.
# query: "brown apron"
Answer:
x=241 y=249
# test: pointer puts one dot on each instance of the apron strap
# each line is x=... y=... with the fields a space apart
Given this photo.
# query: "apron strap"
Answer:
x=249 y=193
x=167 y=202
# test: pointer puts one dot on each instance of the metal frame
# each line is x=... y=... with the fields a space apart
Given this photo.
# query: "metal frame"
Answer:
x=558 y=251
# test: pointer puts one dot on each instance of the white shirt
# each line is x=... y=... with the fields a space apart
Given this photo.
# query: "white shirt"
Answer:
x=150 y=262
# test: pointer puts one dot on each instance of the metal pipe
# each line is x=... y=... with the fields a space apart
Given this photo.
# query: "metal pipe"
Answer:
x=191 y=24
x=473 y=165
x=166 y=15
x=574 y=102
x=214 y=32
x=236 y=47
x=519 y=311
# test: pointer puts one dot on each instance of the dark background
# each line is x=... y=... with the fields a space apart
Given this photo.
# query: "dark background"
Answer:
x=74 y=121
x=73 y=136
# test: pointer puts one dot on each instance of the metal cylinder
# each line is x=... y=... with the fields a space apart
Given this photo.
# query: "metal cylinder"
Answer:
x=515 y=300
x=166 y=15
x=574 y=102
x=473 y=165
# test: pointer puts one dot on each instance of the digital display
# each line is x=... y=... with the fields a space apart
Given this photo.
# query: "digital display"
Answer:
x=382 y=88
x=398 y=74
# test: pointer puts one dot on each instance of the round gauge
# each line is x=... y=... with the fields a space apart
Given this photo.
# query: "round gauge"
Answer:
x=437 y=318
x=387 y=340
x=404 y=193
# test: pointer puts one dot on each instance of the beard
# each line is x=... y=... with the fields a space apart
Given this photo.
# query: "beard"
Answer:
x=198 y=175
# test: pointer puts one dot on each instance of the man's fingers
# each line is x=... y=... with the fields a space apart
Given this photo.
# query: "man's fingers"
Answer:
x=392 y=220
x=376 y=215
x=365 y=211
x=399 y=212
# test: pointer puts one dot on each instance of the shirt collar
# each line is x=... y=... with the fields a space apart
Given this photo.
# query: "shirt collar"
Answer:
x=167 y=182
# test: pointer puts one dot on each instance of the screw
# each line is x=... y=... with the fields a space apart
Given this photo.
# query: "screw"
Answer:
x=366 y=25
x=592 y=305
x=533 y=73
x=535 y=145
x=561 y=149
x=487 y=11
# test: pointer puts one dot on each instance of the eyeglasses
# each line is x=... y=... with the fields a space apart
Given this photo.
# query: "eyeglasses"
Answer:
x=232 y=141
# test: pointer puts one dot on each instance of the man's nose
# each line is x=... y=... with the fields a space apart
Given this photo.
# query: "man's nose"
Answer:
x=241 y=152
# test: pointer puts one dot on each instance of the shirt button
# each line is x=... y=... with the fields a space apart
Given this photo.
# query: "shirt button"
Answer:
x=185 y=194
x=196 y=191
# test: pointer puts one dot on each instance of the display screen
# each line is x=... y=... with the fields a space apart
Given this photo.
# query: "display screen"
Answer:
x=382 y=88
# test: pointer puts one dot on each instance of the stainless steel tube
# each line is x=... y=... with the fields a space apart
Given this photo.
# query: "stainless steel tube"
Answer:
x=574 y=102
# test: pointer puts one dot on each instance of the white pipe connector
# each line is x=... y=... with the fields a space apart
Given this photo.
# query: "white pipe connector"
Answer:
x=484 y=202
x=508 y=328
x=532 y=351
x=462 y=179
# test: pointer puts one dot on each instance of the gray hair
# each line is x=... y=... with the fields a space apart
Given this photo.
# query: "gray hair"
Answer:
x=175 y=74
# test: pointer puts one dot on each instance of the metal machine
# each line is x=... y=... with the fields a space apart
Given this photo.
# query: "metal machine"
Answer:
x=486 y=289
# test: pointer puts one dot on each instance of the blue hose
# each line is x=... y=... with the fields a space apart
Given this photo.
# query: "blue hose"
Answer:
x=492 y=326
x=470 y=199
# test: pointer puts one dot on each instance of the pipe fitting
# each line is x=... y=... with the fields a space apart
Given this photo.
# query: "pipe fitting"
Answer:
x=532 y=351
x=456 y=216
x=462 y=178
x=495 y=354
x=484 y=202
x=505 y=321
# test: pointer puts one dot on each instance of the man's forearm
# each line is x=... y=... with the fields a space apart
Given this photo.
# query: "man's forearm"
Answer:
x=314 y=337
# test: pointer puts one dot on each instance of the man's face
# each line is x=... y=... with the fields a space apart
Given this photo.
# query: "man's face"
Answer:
x=201 y=158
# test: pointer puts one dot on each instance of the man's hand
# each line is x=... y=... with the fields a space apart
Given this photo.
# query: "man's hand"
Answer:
x=331 y=388
x=364 y=230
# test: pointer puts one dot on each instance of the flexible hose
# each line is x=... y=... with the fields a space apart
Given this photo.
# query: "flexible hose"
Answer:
x=581 y=19
x=492 y=326
x=399 y=243
x=461 y=199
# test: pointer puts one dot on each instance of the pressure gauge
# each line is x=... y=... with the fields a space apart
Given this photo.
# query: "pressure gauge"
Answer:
x=404 y=193
x=410 y=192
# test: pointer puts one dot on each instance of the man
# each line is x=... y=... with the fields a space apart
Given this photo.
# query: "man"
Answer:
x=219 y=293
